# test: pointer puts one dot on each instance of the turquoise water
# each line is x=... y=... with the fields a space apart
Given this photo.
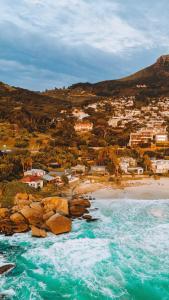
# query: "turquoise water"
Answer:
x=124 y=256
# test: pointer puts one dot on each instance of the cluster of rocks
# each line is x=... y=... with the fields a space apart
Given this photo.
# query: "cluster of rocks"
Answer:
x=52 y=214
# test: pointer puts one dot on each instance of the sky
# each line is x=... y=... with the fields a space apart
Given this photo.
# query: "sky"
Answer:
x=55 y=43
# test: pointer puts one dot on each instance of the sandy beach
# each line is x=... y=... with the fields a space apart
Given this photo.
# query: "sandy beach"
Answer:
x=145 y=188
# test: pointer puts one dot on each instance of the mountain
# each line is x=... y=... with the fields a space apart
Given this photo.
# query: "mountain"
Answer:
x=35 y=110
x=151 y=81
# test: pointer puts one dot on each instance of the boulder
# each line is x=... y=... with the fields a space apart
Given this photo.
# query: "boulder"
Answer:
x=33 y=216
x=77 y=211
x=80 y=202
x=87 y=217
x=6 y=227
x=17 y=218
x=21 y=227
x=59 y=224
x=22 y=203
x=48 y=215
x=37 y=232
x=37 y=206
x=56 y=204
x=6 y=268
x=4 y=212
x=21 y=196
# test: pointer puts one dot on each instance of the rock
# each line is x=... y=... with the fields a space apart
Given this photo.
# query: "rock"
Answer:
x=92 y=220
x=22 y=203
x=87 y=217
x=48 y=215
x=33 y=216
x=56 y=204
x=19 y=228
x=37 y=232
x=37 y=206
x=17 y=218
x=59 y=224
x=6 y=268
x=4 y=212
x=81 y=202
x=77 y=211
x=6 y=227
x=77 y=207
x=21 y=196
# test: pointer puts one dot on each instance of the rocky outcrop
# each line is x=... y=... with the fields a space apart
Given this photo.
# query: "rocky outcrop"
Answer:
x=6 y=268
x=78 y=207
x=59 y=224
x=37 y=232
x=33 y=216
x=50 y=214
x=56 y=204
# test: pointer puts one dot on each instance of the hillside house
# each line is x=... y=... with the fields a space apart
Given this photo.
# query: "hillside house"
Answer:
x=79 y=169
x=160 y=166
x=136 y=170
x=33 y=181
x=141 y=137
x=127 y=162
x=98 y=170
x=161 y=138
x=35 y=172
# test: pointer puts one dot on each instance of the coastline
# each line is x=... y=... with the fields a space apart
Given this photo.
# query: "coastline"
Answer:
x=142 y=188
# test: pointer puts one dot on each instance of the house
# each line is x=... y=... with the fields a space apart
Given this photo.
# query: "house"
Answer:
x=114 y=121
x=127 y=162
x=160 y=166
x=161 y=138
x=136 y=170
x=101 y=170
x=79 y=169
x=141 y=137
x=49 y=179
x=33 y=181
x=35 y=172
x=83 y=126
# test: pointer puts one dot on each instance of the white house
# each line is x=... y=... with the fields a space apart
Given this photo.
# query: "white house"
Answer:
x=35 y=172
x=33 y=181
x=161 y=138
x=160 y=166
x=136 y=170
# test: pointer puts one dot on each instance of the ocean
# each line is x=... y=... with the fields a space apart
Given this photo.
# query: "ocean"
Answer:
x=123 y=256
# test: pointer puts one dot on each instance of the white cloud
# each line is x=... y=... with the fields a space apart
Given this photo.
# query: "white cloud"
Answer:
x=76 y=22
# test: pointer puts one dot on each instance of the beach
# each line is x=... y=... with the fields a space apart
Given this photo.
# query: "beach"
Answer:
x=142 y=188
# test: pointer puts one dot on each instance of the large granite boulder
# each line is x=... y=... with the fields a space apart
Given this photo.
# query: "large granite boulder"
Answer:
x=17 y=218
x=59 y=224
x=33 y=216
x=48 y=215
x=56 y=204
x=37 y=232
x=78 y=207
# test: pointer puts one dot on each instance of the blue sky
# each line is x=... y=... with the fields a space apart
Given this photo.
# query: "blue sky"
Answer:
x=54 y=43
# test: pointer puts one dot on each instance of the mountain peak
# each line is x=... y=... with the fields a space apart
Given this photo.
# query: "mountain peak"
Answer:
x=163 y=61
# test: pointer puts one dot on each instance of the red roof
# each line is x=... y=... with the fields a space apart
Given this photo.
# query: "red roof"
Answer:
x=30 y=179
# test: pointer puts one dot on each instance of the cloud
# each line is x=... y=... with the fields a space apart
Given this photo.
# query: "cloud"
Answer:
x=63 y=41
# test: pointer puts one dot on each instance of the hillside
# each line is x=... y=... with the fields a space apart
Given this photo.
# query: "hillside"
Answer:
x=151 y=81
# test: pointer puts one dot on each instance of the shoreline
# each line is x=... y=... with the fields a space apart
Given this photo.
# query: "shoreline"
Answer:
x=140 y=189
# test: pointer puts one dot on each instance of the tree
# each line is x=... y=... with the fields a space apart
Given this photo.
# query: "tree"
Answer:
x=147 y=163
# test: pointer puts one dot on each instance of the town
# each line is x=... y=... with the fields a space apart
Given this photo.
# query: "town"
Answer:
x=115 y=137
